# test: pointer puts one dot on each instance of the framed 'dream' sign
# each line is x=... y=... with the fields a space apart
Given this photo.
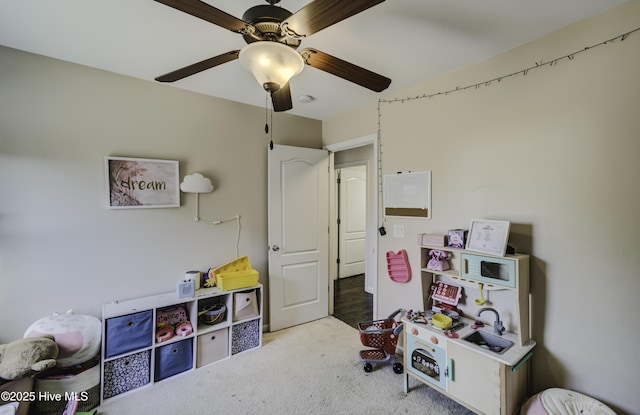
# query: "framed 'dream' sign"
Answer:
x=408 y=194
x=141 y=183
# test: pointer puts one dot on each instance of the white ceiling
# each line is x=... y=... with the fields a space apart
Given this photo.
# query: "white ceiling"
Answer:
x=409 y=41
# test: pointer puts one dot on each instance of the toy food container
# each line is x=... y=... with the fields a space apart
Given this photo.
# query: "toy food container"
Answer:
x=441 y=321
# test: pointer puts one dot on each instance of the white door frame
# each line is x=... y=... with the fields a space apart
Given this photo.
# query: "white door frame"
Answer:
x=372 y=237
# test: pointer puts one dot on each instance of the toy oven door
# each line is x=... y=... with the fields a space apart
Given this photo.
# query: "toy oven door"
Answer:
x=427 y=361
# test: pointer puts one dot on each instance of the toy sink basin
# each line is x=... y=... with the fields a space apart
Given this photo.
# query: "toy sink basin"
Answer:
x=441 y=321
x=489 y=342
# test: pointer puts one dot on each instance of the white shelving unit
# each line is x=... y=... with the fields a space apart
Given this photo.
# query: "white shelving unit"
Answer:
x=133 y=358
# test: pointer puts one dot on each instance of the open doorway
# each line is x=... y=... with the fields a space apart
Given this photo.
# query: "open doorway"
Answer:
x=354 y=230
x=352 y=304
x=351 y=185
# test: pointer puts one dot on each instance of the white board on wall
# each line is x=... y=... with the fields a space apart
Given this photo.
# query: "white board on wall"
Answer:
x=407 y=194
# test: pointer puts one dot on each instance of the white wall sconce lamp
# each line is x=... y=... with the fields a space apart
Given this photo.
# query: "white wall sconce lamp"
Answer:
x=196 y=183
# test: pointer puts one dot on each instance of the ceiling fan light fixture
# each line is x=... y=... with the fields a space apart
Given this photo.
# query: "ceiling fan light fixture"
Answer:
x=271 y=63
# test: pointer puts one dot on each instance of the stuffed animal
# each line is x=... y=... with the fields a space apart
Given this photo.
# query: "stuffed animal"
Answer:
x=77 y=336
x=22 y=356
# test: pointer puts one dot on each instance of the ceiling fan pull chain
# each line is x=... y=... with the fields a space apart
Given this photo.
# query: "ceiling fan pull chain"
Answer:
x=271 y=141
x=266 y=115
x=266 y=119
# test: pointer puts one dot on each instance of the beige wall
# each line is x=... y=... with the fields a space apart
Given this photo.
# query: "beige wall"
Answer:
x=60 y=248
x=554 y=152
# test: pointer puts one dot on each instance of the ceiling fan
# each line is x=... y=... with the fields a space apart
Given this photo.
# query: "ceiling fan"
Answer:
x=274 y=33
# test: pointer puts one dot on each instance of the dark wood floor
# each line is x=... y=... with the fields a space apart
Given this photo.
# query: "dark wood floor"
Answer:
x=352 y=304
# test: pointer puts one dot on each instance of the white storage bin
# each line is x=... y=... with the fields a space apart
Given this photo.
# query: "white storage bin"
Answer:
x=212 y=347
x=245 y=305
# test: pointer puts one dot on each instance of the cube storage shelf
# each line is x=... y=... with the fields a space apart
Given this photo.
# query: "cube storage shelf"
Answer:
x=135 y=355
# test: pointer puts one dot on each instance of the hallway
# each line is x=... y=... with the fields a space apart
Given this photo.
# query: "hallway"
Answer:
x=351 y=303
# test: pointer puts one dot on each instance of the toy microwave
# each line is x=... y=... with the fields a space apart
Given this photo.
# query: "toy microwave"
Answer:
x=490 y=270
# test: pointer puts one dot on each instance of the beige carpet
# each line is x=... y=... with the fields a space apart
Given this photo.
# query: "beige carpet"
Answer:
x=313 y=368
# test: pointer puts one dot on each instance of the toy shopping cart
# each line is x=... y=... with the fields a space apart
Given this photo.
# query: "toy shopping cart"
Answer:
x=382 y=335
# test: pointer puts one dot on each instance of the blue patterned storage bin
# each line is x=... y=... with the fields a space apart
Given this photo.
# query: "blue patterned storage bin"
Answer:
x=128 y=333
x=126 y=373
x=245 y=336
x=173 y=358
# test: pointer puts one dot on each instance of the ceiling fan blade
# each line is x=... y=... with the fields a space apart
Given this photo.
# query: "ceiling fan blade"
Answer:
x=319 y=14
x=345 y=70
x=198 y=67
x=207 y=12
x=281 y=99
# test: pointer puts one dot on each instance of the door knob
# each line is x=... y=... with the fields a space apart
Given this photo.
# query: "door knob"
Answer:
x=275 y=248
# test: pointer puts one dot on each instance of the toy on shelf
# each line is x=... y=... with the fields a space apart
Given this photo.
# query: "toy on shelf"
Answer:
x=438 y=261
x=213 y=315
x=164 y=333
x=172 y=321
x=209 y=279
x=235 y=274
x=457 y=238
x=184 y=328
x=446 y=293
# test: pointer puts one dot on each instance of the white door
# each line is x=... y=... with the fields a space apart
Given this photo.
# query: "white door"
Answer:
x=352 y=207
x=298 y=236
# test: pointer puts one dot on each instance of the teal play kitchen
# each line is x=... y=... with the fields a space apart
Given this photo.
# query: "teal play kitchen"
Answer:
x=471 y=349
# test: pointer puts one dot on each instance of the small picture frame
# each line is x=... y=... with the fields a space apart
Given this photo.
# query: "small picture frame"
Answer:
x=488 y=236
x=141 y=183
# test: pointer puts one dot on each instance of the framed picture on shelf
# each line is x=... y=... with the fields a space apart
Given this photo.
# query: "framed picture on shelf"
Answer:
x=488 y=236
x=141 y=183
